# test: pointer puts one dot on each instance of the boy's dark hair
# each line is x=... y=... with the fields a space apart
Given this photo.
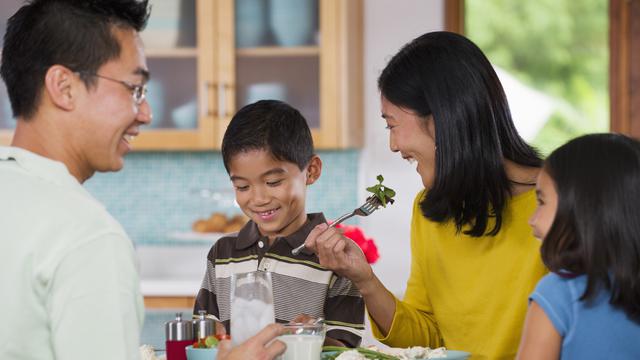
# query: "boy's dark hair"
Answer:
x=269 y=125
x=447 y=76
x=74 y=33
x=596 y=230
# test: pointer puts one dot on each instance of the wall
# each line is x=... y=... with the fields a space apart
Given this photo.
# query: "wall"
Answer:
x=390 y=24
x=157 y=193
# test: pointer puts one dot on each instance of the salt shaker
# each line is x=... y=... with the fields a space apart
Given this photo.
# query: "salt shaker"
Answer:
x=203 y=327
x=178 y=335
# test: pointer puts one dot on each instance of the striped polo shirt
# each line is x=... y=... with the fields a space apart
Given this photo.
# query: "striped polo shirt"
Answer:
x=300 y=284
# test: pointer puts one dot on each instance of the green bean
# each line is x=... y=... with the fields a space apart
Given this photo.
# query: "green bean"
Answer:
x=368 y=353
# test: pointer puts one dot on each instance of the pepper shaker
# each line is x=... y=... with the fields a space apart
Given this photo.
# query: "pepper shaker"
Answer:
x=202 y=326
x=178 y=335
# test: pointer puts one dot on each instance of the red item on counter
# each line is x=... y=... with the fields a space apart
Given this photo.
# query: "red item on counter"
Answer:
x=365 y=243
x=176 y=349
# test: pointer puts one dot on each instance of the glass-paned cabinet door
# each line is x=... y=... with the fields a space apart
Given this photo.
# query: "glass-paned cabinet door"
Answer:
x=170 y=45
x=278 y=54
x=7 y=122
x=174 y=57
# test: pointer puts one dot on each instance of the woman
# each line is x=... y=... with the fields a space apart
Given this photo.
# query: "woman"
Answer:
x=474 y=259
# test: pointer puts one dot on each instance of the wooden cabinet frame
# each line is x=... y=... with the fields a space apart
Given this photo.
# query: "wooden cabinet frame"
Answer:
x=624 y=60
x=341 y=73
x=341 y=78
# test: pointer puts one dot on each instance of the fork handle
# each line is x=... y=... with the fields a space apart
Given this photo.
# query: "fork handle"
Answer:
x=342 y=218
x=337 y=221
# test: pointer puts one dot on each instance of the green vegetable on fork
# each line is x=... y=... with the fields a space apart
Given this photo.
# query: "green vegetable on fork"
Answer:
x=383 y=193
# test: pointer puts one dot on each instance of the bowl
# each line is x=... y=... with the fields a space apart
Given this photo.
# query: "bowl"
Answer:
x=201 y=353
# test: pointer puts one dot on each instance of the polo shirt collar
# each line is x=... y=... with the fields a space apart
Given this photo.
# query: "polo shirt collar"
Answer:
x=250 y=234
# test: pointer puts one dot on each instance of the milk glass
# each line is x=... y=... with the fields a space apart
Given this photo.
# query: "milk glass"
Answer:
x=251 y=304
x=304 y=341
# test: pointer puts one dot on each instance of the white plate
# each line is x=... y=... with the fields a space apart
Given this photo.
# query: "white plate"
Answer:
x=192 y=235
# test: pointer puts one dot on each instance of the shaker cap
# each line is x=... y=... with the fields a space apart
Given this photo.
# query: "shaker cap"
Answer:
x=203 y=326
x=178 y=329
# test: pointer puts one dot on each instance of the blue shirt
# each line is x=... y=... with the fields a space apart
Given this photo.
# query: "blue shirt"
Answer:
x=594 y=330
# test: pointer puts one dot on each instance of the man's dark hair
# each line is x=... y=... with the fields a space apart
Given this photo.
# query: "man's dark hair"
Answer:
x=447 y=76
x=596 y=226
x=74 y=33
x=269 y=125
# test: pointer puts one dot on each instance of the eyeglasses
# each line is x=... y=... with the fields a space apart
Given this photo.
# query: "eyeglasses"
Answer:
x=139 y=92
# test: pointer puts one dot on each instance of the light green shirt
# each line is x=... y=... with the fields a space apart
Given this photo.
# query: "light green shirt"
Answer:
x=70 y=288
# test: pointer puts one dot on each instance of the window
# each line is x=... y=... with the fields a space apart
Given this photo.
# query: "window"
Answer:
x=568 y=57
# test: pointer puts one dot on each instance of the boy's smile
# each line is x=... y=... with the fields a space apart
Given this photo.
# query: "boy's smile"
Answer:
x=271 y=192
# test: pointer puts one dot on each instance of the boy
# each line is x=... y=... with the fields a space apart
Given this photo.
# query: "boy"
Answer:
x=268 y=152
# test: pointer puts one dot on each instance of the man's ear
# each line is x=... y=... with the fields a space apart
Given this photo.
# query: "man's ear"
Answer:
x=314 y=169
x=59 y=83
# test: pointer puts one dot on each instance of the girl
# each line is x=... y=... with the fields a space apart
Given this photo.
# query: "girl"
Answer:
x=589 y=217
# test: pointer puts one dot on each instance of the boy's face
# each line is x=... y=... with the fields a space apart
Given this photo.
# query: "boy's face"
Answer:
x=542 y=218
x=272 y=192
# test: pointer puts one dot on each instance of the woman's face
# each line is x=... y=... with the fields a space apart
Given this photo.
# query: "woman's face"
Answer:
x=413 y=137
x=547 y=197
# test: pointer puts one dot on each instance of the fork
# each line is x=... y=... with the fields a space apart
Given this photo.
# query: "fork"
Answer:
x=372 y=204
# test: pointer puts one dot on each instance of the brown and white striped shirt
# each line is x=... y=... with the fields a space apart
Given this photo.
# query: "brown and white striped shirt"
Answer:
x=300 y=284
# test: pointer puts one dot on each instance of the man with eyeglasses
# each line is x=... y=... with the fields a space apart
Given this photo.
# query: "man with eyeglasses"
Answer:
x=76 y=76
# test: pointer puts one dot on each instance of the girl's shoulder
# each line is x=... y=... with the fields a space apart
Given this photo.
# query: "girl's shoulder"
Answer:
x=564 y=286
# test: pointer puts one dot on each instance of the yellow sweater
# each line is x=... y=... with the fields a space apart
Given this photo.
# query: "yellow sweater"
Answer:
x=468 y=293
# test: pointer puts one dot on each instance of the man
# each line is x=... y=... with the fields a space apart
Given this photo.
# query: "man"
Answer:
x=76 y=77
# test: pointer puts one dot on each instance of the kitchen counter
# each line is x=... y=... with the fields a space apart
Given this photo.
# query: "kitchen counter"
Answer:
x=169 y=287
x=171 y=271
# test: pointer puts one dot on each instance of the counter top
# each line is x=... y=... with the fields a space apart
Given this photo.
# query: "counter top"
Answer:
x=169 y=287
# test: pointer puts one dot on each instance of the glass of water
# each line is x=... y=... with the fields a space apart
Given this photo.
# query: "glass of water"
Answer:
x=251 y=304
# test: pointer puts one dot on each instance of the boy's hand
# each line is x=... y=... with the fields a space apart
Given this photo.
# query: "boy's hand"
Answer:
x=339 y=253
x=261 y=346
x=304 y=319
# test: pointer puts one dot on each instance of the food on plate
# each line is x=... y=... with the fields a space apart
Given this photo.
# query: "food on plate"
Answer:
x=382 y=192
x=209 y=342
x=219 y=223
x=372 y=352
x=147 y=352
x=235 y=223
x=344 y=353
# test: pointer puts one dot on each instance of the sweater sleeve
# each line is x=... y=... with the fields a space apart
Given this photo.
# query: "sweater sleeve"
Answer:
x=413 y=322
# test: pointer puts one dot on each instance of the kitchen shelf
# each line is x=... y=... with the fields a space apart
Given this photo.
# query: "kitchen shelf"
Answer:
x=278 y=51
x=171 y=53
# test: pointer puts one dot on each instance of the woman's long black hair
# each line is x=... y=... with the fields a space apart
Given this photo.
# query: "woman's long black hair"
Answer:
x=596 y=230
x=447 y=76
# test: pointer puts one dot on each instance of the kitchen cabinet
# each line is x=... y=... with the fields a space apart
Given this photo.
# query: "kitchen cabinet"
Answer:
x=209 y=58
x=169 y=302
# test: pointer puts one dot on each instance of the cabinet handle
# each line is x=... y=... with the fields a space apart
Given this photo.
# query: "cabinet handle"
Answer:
x=208 y=86
x=222 y=100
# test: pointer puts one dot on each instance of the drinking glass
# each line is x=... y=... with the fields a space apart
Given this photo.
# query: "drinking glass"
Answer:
x=251 y=304
x=304 y=341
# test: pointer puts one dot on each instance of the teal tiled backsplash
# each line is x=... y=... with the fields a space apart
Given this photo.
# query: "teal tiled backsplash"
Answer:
x=157 y=193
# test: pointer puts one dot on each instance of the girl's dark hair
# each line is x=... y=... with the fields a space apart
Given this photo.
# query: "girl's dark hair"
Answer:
x=596 y=230
x=73 y=33
x=447 y=76
x=269 y=125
